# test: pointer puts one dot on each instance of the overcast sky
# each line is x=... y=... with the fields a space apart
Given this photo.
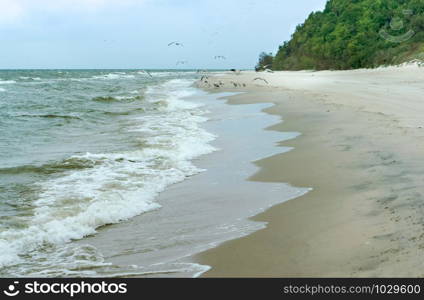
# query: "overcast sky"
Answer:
x=135 y=33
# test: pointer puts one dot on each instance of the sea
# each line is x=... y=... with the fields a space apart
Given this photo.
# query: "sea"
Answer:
x=86 y=155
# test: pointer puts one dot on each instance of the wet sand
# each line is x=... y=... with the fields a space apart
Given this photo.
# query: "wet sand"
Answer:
x=364 y=216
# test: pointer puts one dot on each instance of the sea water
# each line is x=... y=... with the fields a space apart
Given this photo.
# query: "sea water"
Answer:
x=82 y=149
x=89 y=160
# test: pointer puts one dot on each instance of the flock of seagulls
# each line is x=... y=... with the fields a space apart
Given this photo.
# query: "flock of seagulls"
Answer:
x=205 y=79
x=207 y=82
x=183 y=62
x=178 y=44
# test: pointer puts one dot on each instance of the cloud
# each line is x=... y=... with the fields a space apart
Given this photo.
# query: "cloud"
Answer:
x=78 y=4
x=12 y=11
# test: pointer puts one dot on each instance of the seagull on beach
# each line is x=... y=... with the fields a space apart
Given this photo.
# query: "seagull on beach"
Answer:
x=259 y=78
x=203 y=72
x=176 y=44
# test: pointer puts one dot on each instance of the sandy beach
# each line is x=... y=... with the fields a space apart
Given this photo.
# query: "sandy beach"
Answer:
x=360 y=151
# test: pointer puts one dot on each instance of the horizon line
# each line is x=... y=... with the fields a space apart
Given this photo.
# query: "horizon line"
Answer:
x=191 y=69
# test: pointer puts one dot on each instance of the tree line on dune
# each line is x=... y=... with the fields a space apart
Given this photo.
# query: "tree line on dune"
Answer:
x=351 y=34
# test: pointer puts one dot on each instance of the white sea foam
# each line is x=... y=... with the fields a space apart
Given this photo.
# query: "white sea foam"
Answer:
x=2 y=90
x=109 y=76
x=30 y=78
x=115 y=75
x=123 y=97
x=7 y=81
x=166 y=74
x=118 y=186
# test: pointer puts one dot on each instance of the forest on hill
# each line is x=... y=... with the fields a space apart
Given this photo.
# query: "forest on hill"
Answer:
x=351 y=34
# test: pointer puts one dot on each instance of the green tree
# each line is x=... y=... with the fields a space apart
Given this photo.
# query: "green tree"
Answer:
x=265 y=61
x=351 y=34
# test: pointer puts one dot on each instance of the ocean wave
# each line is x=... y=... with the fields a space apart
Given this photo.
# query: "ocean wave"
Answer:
x=73 y=163
x=170 y=73
x=125 y=113
x=2 y=90
x=112 y=76
x=7 y=81
x=97 y=189
x=30 y=78
x=52 y=116
x=117 y=98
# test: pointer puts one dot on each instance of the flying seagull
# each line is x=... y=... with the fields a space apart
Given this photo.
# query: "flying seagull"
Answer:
x=147 y=72
x=181 y=62
x=259 y=78
x=175 y=43
x=219 y=57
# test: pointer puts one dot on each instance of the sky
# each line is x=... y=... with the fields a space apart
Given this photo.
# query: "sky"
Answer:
x=103 y=34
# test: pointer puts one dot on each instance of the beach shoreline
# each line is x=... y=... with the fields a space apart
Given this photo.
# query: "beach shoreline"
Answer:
x=361 y=139
x=191 y=218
